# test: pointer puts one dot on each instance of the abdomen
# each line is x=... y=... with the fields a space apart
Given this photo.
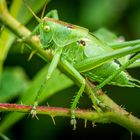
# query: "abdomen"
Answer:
x=102 y=72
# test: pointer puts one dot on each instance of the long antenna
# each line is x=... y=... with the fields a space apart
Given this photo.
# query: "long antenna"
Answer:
x=29 y=8
x=43 y=11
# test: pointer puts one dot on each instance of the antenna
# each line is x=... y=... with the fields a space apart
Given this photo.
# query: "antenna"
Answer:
x=43 y=11
x=29 y=8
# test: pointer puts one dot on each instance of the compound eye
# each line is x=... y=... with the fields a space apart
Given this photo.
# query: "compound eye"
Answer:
x=47 y=28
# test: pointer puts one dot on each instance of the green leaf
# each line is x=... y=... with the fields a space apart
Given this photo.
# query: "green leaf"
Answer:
x=52 y=87
x=102 y=13
x=12 y=83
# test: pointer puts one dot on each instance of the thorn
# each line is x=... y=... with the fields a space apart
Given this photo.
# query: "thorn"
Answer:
x=31 y=55
x=122 y=106
x=53 y=120
x=21 y=103
x=48 y=104
x=93 y=124
x=85 y=125
x=131 y=135
x=22 y=48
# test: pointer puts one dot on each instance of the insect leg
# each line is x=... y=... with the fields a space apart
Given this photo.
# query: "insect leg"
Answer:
x=123 y=67
x=120 y=45
x=134 y=65
x=52 y=67
x=82 y=81
x=53 y=14
x=93 y=62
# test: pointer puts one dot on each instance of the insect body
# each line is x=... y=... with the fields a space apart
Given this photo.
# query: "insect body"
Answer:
x=74 y=45
x=60 y=33
x=79 y=45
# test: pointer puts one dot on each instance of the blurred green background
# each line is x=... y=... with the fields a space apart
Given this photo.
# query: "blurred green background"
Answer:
x=21 y=78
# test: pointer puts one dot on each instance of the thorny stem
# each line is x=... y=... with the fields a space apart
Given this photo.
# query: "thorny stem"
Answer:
x=114 y=113
x=125 y=120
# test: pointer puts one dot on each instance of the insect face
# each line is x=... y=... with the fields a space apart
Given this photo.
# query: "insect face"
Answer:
x=46 y=34
x=44 y=26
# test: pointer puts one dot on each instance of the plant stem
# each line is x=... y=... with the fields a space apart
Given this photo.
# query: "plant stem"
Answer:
x=128 y=121
x=114 y=114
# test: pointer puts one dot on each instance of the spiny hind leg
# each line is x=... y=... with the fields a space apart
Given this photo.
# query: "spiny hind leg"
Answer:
x=82 y=82
x=51 y=69
x=76 y=100
x=77 y=77
x=123 y=67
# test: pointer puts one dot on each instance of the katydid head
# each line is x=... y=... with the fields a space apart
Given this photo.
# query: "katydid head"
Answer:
x=44 y=28
x=46 y=33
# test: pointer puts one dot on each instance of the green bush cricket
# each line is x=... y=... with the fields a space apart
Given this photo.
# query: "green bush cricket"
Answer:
x=83 y=55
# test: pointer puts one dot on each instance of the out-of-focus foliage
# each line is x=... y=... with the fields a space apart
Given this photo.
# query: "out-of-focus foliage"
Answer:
x=100 y=13
x=13 y=82
x=108 y=19
x=16 y=9
x=28 y=95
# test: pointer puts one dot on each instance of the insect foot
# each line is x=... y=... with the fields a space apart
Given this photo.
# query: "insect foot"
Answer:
x=33 y=111
x=73 y=120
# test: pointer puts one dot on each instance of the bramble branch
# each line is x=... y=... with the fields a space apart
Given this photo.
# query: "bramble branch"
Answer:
x=128 y=121
x=57 y=111
x=114 y=114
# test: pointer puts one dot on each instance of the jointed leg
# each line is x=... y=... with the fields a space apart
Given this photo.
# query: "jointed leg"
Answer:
x=93 y=62
x=75 y=102
x=123 y=67
x=52 y=67
x=119 y=45
x=82 y=82
x=77 y=77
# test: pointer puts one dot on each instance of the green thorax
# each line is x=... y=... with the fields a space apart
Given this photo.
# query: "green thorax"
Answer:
x=61 y=33
x=92 y=47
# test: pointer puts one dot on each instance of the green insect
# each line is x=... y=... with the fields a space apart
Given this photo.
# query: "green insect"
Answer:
x=84 y=56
